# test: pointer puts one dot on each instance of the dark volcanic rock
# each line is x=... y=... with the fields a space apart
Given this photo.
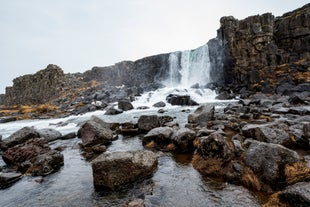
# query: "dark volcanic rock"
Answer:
x=297 y=195
x=183 y=138
x=21 y=136
x=125 y=105
x=113 y=111
x=49 y=134
x=271 y=133
x=39 y=88
x=95 y=132
x=7 y=179
x=148 y=122
x=269 y=160
x=202 y=115
x=159 y=104
x=114 y=170
x=161 y=136
x=182 y=100
x=34 y=157
x=7 y=119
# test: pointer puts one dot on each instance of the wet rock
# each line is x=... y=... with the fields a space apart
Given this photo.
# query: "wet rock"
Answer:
x=181 y=100
x=215 y=146
x=202 y=115
x=47 y=163
x=148 y=122
x=70 y=135
x=296 y=195
x=160 y=135
x=7 y=179
x=125 y=105
x=7 y=119
x=26 y=151
x=129 y=128
x=270 y=133
x=21 y=136
x=159 y=104
x=49 y=134
x=34 y=157
x=268 y=161
x=114 y=170
x=95 y=132
x=183 y=139
x=113 y=111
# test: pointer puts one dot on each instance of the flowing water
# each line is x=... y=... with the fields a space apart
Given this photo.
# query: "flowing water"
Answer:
x=175 y=182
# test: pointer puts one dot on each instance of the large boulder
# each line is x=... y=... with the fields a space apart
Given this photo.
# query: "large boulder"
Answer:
x=49 y=134
x=148 y=122
x=113 y=111
x=114 y=170
x=182 y=100
x=202 y=115
x=183 y=138
x=95 y=131
x=270 y=133
x=125 y=105
x=268 y=161
x=34 y=157
x=21 y=136
x=296 y=195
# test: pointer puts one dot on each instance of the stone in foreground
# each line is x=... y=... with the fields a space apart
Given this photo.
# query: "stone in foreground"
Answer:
x=114 y=170
x=6 y=179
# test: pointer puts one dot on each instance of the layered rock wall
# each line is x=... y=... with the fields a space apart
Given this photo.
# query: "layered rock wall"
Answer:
x=142 y=72
x=263 y=52
x=39 y=88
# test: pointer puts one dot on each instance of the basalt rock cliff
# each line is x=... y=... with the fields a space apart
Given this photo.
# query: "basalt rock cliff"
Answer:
x=264 y=53
x=261 y=53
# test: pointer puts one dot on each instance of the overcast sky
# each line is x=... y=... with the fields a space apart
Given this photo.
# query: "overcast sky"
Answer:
x=79 y=34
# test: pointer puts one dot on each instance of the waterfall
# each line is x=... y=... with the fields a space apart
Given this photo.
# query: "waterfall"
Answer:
x=189 y=67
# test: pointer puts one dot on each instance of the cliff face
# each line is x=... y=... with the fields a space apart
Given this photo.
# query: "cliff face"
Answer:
x=262 y=52
x=36 y=89
x=142 y=72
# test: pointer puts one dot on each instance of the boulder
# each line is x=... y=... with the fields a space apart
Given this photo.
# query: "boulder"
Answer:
x=47 y=163
x=159 y=104
x=70 y=135
x=49 y=134
x=25 y=151
x=7 y=119
x=182 y=100
x=276 y=133
x=95 y=131
x=125 y=105
x=113 y=111
x=148 y=122
x=215 y=146
x=268 y=161
x=183 y=139
x=129 y=128
x=114 y=170
x=202 y=115
x=34 y=157
x=21 y=136
x=7 y=179
x=160 y=135
x=296 y=195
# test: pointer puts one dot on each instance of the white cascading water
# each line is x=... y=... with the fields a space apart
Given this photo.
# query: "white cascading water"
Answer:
x=186 y=68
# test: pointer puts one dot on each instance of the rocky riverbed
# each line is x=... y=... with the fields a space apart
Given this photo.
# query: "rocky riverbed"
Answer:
x=257 y=147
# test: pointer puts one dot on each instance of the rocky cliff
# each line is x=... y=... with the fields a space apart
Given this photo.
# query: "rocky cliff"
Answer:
x=39 y=88
x=262 y=53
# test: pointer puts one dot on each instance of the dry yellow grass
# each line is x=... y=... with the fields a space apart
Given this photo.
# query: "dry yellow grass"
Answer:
x=274 y=201
x=250 y=180
x=297 y=172
x=210 y=166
